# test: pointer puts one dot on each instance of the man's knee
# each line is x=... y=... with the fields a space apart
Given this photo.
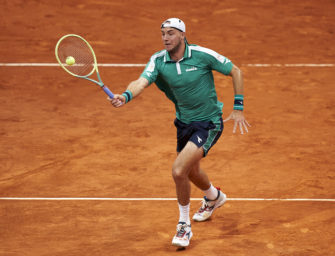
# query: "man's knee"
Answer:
x=178 y=172
x=186 y=160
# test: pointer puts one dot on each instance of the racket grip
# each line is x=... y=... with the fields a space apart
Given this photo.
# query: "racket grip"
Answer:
x=108 y=92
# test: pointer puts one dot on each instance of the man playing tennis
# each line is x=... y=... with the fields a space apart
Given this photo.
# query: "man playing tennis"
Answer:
x=184 y=73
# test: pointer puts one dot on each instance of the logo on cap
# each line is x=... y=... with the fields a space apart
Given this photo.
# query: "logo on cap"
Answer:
x=166 y=22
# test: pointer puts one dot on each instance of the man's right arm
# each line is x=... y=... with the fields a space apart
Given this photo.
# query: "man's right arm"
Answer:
x=134 y=88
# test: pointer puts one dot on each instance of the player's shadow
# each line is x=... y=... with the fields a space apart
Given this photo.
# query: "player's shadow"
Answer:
x=179 y=249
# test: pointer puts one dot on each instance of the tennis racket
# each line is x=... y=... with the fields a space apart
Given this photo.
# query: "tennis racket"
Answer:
x=76 y=56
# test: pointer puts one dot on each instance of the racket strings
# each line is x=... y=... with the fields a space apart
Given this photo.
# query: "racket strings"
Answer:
x=80 y=51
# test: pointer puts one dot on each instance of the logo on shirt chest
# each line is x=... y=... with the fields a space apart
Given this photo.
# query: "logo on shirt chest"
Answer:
x=191 y=69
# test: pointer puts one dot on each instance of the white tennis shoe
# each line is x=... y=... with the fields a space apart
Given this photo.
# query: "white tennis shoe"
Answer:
x=208 y=206
x=183 y=236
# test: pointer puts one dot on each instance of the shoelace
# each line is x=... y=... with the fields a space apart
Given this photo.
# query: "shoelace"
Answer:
x=181 y=230
x=205 y=204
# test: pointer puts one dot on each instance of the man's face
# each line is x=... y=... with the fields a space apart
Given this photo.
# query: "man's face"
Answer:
x=172 y=38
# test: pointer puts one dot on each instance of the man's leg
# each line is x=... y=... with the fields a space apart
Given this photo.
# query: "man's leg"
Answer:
x=200 y=179
x=213 y=199
x=186 y=159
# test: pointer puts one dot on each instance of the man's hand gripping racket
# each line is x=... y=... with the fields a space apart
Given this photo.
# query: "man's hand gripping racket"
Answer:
x=76 y=56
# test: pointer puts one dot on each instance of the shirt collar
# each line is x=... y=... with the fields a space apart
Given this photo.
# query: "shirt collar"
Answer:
x=187 y=53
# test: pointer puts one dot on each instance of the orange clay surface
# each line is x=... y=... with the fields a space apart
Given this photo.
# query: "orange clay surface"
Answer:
x=60 y=137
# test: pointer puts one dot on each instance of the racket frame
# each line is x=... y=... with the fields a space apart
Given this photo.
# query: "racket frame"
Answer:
x=95 y=65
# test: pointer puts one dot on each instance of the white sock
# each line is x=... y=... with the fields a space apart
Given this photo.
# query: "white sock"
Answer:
x=184 y=213
x=211 y=193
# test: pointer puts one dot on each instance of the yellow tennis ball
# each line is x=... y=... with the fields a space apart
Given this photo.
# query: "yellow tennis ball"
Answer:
x=70 y=60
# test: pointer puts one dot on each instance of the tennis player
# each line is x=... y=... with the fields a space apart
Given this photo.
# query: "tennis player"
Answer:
x=184 y=73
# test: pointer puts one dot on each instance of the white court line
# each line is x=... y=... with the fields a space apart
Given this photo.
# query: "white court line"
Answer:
x=143 y=65
x=156 y=199
x=290 y=65
x=56 y=65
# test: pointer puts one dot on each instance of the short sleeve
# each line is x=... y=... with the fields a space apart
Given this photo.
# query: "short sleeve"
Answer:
x=222 y=64
x=214 y=60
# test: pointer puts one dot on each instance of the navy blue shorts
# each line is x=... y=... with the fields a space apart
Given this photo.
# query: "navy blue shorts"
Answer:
x=203 y=134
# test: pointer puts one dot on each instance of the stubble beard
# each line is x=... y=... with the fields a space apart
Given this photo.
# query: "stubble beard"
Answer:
x=176 y=48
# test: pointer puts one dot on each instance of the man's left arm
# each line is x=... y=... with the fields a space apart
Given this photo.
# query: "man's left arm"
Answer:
x=237 y=113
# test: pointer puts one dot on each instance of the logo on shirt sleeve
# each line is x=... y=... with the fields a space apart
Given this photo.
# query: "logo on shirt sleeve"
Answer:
x=151 y=67
x=222 y=59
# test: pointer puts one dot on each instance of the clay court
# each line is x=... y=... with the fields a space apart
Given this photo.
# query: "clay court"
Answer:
x=79 y=177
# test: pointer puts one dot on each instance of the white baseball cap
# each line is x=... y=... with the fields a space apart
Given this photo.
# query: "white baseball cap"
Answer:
x=174 y=23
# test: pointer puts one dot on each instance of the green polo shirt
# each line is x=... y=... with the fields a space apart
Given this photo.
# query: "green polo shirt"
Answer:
x=189 y=82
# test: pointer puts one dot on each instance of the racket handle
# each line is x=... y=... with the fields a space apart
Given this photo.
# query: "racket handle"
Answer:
x=108 y=92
